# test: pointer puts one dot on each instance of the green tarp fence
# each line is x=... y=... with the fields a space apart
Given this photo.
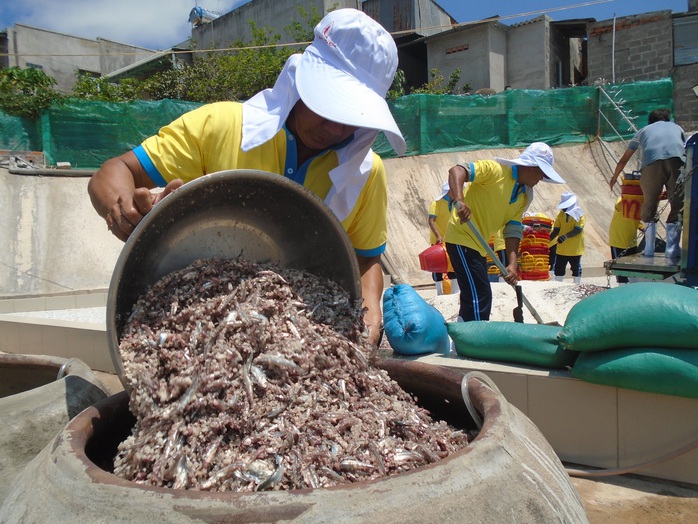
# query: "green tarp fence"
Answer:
x=88 y=133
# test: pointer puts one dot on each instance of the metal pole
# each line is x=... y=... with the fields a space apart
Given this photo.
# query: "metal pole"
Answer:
x=613 y=51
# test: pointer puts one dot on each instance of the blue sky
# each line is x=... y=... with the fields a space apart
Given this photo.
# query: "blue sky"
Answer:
x=160 y=24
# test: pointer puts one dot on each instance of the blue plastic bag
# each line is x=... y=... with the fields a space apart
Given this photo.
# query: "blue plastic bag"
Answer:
x=413 y=326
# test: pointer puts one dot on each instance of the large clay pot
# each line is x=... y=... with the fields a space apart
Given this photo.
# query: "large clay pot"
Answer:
x=38 y=396
x=508 y=473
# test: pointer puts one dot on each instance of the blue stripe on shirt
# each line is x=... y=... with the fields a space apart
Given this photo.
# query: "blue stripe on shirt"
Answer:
x=149 y=167
x=368 y=253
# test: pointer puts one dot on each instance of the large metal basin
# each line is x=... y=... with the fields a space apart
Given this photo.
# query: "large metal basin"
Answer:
x=509 y=473
x=261 y=216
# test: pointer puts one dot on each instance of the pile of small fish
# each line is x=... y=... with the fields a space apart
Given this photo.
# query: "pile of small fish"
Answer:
x=249 y=377
x=579 y=291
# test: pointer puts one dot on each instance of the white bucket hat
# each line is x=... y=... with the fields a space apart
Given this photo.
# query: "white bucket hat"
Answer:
x=445 y=188
x=346 y=72
x=538 y=154
x=567 y=199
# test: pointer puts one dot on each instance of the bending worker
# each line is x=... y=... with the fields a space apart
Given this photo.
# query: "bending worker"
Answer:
x=499 y=192
x=315 y=126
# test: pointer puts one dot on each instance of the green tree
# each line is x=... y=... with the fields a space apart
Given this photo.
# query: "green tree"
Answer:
x=26 y=92
x=88 y=87
x=397 y=89
x=238 y=74
x=302 y=31
x=435 y=85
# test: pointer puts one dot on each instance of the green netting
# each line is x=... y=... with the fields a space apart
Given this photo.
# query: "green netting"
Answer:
x=637 y=100
x=515 y=118
x=18 y=133
x=88 y=133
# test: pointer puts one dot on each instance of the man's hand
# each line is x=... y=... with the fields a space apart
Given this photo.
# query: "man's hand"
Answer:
x=464 y=212
x=169 y=188
x=512 y=277
x=125 y=215
x=561 y=239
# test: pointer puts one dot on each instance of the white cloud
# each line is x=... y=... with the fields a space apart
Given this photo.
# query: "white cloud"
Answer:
x=154 y=24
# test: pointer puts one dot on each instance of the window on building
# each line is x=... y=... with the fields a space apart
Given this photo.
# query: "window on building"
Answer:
x=457 y=49
x=686 y=40
x=34 y=66
x=85 y=72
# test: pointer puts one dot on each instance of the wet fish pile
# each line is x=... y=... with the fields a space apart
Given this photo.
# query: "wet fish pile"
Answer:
x=579 y=291
x=248 y=377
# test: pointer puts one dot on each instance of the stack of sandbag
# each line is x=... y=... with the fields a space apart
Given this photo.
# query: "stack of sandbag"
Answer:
x=643 y=336
x=511 y=342
x=413 y=326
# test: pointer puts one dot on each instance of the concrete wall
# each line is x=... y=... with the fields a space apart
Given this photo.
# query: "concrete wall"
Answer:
x=467 y=49
x=54 y=242
x=277 y=14
x=60 y=55
x=115 y=55
x=685 y=100
x=643 y=48
x=424 y=16
x=527 y=55
x=394 y=15
x=497 y=57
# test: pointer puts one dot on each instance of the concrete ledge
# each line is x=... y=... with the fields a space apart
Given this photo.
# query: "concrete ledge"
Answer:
x=597 y=426
x=62 y=325
x=56 y=301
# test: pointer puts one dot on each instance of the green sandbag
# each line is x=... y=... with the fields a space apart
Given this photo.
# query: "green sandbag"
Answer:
x=644 y=314
x=513 y=342
x=668 y=371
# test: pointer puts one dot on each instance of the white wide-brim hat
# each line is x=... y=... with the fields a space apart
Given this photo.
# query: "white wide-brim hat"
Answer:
x=567 y=199
x=538 y=154
x=346 y=72
x=445 y=188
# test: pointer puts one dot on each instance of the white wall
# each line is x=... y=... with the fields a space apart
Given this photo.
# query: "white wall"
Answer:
x=60 y=55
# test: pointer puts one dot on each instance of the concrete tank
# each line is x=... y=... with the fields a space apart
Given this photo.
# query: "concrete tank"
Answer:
x=508 y=472
x=38 y=396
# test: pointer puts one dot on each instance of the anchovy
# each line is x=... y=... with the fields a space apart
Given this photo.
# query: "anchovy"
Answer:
x=356 y=466
x=275 y=477
x=279 y=361
x=182 y=473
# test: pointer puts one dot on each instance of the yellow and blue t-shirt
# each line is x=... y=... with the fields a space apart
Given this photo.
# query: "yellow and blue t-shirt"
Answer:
x=207 y=140
x=572 y=246
x=440 y=211
x=490 y=184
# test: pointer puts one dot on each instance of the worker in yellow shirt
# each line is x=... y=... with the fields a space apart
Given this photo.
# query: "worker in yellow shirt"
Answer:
x=569 y=230
x=439 y=213
x=622 y=236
